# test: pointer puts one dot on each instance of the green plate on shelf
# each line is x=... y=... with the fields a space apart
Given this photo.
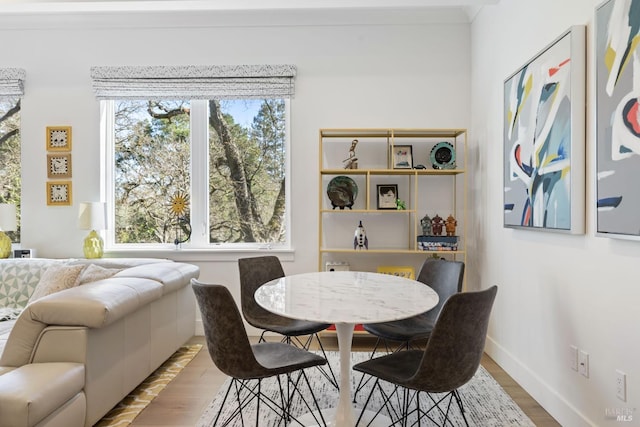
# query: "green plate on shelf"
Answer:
x=342 y=192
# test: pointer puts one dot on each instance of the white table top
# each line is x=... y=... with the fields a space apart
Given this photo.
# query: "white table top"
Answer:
x=346 y=297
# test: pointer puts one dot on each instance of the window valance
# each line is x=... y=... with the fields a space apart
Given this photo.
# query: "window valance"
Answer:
x=194 y=82
x=12 y=82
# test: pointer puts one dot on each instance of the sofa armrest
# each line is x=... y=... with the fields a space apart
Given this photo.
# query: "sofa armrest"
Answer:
x=93 y=305
x=61 y=344
x=32 y=392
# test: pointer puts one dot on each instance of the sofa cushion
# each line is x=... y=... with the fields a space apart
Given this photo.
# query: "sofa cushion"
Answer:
x=173 y=276
x=118 y=262
x=94 y=272
x=31 y=392
x=57 y=278
x=19 y=278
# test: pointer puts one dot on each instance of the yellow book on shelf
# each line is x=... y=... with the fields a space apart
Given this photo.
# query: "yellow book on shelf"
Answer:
x=407 y=272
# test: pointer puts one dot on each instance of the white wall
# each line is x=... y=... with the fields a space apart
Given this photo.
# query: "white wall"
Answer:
x=554 y=290
x=352 y=72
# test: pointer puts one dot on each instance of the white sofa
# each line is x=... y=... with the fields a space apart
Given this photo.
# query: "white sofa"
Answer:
x=72 y=355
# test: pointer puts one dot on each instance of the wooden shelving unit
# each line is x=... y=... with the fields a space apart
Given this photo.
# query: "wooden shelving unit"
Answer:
x=392 y=234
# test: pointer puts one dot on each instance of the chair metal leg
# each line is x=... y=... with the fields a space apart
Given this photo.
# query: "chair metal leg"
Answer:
x=296 y=341
x=315 y=401
x=396 y=415
x=224 y=400
x=258 y=403
x=362 y=381
x=456 y=394
x=332 y=378
x=444 y=413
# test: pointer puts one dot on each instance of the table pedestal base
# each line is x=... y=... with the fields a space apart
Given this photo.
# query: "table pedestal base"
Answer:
x=330 y=418
x=344 y=415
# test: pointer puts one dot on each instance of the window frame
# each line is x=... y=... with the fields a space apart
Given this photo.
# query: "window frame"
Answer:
x=199 y=191
x=15 y=98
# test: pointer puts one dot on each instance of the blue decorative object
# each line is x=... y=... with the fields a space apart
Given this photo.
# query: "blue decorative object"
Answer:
x=443 y=156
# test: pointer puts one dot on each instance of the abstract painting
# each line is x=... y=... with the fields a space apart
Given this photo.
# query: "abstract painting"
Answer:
x=544 y=138
x=618 y=119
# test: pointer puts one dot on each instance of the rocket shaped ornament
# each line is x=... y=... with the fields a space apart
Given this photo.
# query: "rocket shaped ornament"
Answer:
x=360 y=240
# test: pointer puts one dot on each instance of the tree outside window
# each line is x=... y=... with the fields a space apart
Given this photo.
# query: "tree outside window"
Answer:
x=245 y=162
x=10 y=181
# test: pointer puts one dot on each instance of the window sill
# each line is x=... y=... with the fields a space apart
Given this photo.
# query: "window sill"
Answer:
x=200 y=255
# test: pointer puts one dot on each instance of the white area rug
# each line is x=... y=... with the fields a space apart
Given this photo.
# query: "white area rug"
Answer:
x=486 y=403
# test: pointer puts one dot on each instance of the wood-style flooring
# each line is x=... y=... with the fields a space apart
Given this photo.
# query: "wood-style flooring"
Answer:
x=182 y=401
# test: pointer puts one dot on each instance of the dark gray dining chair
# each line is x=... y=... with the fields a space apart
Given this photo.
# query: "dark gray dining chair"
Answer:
x=450 y=359
x=256 y=271
x=443 y=276
x=248 y=364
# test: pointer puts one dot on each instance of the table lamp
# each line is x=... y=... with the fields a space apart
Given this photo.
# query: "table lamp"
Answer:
x=92 y=216
x=7 y=223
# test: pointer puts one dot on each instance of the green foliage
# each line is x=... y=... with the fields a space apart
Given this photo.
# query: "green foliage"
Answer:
x=152 y=165
x=10 y=163
x=262 y=150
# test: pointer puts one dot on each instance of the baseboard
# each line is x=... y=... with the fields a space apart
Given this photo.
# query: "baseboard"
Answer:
x=554 y=403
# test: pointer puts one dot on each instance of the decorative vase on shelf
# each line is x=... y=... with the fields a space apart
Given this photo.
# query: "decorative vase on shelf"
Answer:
x=360 y=240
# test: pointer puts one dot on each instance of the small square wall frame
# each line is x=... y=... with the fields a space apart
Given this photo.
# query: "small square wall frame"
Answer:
x=58 y=138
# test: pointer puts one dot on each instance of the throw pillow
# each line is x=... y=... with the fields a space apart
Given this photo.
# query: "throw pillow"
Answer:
x=95 y=272
x=57 y=278
x=19 y=278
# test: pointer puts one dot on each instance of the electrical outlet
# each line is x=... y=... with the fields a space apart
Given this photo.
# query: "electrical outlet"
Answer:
x=573 y=357
x=621 y=385
x=583 y=363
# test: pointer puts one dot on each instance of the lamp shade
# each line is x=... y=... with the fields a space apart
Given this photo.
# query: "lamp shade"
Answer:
x=92 y=216
x=7 y=217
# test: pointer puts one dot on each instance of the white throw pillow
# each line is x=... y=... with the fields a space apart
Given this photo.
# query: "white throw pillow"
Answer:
x=57 y=278
x=95 y=272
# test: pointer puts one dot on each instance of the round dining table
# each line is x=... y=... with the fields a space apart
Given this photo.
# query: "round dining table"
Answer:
x=345 y=298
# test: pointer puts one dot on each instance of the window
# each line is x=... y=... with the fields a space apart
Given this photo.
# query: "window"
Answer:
x=10 y=181
x=214 y=169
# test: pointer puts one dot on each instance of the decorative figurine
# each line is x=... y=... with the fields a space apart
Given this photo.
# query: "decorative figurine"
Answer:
x=425 y=222
x=178 y=207
x=436 y=224
x=352 y=161
x=450 y=225
x=400 y=205
x=360 y=240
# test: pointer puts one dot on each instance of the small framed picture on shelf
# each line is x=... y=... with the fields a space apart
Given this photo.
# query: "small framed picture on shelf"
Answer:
x=402 y=157
x=387 y=196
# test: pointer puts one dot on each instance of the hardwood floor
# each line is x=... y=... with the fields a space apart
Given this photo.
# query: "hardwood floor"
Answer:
x=182 y=401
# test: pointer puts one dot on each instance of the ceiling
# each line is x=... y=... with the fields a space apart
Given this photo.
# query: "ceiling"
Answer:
x=470 y=7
